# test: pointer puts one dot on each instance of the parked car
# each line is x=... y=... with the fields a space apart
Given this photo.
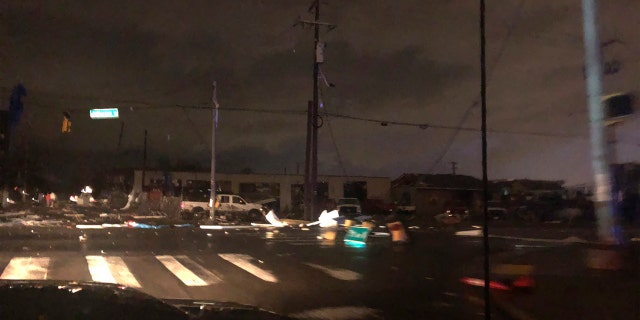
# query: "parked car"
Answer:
x=377 y=206
x=463 y=212
x=448 y=218
x=497 y=213
x=234 y=207
x=349 y=207
x=195 y=204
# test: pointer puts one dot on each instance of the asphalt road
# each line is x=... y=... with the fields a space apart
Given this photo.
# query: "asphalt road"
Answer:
x=287 y=270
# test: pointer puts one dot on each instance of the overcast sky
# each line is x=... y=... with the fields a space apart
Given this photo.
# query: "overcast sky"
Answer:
x=406 y=62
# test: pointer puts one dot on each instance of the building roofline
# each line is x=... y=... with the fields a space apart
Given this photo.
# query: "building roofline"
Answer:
x=256 y=173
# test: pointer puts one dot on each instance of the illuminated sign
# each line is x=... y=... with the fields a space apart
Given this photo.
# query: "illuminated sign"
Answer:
x=357 y=235
x=108 y=113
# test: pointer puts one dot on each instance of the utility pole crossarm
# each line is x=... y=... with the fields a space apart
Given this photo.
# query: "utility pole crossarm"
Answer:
x=310 y=23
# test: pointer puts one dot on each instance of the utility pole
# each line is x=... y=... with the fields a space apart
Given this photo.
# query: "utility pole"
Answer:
x=603 y=201
x=311 y=160
x=314 y=134
x=454 y=166
x=144 y=159
x=485 y=178
x=214 y=126
x=308 y=211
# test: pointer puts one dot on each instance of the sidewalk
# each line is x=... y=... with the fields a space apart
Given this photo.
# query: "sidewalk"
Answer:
x=567 y=286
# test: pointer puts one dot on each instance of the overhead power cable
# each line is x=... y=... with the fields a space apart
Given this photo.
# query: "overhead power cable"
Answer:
x=476 y=100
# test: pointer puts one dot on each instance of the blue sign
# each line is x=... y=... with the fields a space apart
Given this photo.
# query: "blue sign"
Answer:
x=357 y=234
x=108 y=113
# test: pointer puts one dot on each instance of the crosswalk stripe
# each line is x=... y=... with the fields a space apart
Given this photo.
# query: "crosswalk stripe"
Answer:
x=338 y=273
x=187 y=275
x=205 y=274
x=111 y=270
x=243 y=261
x=26 y=268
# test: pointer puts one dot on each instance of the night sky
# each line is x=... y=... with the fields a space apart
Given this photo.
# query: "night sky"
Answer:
x=401 y=62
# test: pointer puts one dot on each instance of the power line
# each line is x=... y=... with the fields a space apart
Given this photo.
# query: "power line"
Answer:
x=142 y=105
x=457 y=128
x=476 y=101
x=146 y=105
x=193 y=126
x=333 y=138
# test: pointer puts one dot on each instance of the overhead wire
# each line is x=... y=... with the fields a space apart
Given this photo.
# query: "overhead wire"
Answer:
x=145 y=105
x=476 y=101
x=193 y=126
x=333 y=138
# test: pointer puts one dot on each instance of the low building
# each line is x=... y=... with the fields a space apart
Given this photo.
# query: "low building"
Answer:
x=434 y=193
x=287 y=189
x=520 y=190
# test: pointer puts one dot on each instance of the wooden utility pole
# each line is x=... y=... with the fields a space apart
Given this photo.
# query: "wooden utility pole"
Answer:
x=311 y=156
x=144 y=159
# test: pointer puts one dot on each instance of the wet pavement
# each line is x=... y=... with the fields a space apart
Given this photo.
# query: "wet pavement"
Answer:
x=299 y=269
x=287 y=270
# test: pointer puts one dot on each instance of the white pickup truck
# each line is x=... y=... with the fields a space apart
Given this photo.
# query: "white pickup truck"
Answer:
x=231 y=207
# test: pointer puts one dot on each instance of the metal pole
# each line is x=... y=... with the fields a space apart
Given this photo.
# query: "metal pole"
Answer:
x=485 y=179
x=214 y=125
x=307 y=166
x=602 y=176
x=144 y=159
x=314 y=135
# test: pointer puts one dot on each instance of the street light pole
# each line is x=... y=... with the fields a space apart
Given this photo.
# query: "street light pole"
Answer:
x=214 y=125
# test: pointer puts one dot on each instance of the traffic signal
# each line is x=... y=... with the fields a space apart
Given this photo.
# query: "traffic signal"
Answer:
x=66 y=122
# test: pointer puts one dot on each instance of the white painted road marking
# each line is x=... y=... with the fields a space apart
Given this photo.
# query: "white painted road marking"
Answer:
x=471 y=233
x=111 y=270
x=187 y=276
x=338 y=273
x=243 y=261
x=27 y=268
x=478 y=233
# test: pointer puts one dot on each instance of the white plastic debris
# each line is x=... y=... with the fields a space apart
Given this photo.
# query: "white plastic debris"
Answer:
x=273 y=219
x=328 y=219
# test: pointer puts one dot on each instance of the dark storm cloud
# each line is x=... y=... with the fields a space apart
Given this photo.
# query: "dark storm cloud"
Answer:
x=409 y=61
x=376 y=80
x=70 y=56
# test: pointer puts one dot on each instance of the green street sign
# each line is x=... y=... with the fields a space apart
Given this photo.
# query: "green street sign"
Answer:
x=357 y=234
x=108 y=113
